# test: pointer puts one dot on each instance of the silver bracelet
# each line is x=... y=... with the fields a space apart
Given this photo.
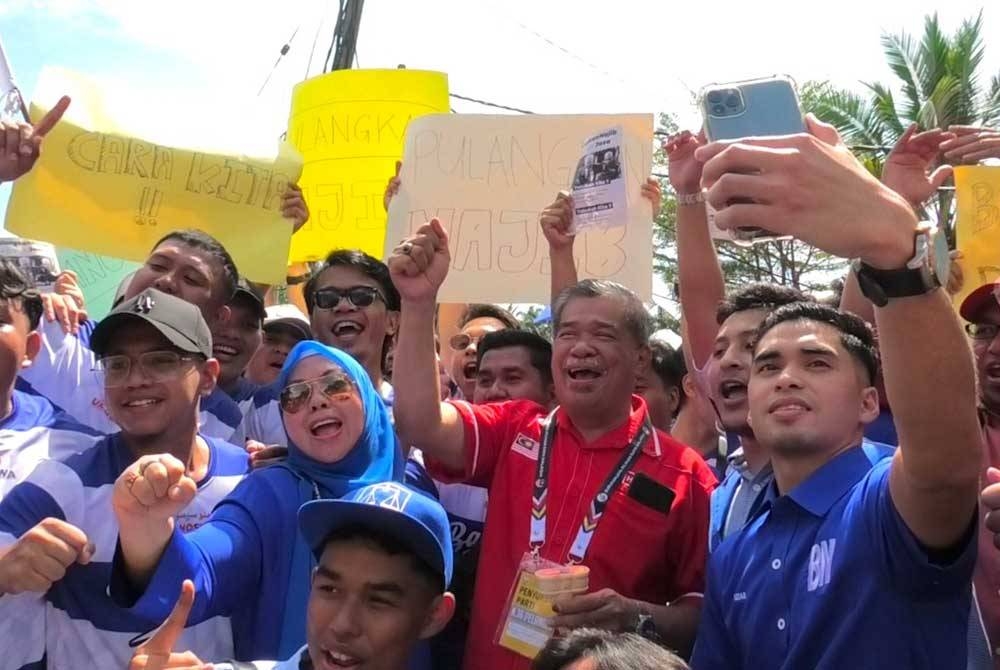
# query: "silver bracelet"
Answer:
x=687 y=199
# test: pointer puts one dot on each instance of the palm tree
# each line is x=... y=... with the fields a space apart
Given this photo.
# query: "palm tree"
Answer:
x=940 y=83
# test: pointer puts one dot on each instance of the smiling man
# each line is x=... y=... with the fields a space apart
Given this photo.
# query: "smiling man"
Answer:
x=188 y=264
x=236 y=340
x=57 y=529
x=596 y=459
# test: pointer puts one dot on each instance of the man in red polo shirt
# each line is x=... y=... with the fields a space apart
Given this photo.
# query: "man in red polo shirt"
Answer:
x=612 y=492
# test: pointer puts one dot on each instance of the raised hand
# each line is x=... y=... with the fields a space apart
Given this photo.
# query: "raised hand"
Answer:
x=556 y=221
x=684 y=170
x=651 y=191
x=392 y=188
x=294 y=207
x=68 y=284
x=909 y=168
x=65 y=309
x=21 y=143
x=971 y=144
x=153 y=488
x=808 y=186
x=157 y=653
x=419 y=264
x=41 y=557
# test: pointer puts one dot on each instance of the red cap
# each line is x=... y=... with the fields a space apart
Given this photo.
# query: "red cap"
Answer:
x=978 y=299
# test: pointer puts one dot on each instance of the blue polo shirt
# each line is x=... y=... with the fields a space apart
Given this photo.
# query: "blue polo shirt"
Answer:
x=829 y=577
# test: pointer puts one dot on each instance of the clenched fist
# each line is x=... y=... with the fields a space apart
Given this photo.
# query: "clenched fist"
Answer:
x=41 y=557
x=154 y=488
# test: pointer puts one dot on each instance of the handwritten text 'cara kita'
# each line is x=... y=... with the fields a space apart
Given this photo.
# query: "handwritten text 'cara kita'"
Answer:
x=229 y=179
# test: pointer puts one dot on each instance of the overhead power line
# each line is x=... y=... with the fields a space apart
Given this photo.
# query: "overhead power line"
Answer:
x=490 y=104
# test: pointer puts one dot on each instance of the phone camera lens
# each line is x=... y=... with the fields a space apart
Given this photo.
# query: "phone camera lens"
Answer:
x=719 y=110
x=732 y=100
x=715 y=97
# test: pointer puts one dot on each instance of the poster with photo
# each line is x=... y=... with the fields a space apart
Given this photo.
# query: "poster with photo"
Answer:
x=37 y=260
x=598 y=187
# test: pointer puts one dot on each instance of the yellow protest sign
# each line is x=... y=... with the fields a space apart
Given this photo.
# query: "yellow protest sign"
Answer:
x=101 y=190
x=349 y=126
x=977 y=192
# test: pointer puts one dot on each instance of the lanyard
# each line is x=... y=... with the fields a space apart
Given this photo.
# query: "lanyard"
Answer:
x=539 y=497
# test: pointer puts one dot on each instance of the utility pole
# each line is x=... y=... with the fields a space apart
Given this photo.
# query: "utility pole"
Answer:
x=345 y=36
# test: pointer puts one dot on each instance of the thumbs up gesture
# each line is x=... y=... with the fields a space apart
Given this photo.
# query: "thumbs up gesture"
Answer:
x=158 y=652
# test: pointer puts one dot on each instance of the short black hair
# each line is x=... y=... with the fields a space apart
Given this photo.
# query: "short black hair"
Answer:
x=16 y=287
x=539 y=349
x=636 y=316
x=758 y=295
x=199 y=239
x=390 y=545
x=485 y=311
x=856 y=336
x=367 y=265
x=668 y=366
x=609 y=651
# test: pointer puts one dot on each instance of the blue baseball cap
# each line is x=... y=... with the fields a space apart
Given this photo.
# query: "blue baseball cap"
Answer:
x=415 y=519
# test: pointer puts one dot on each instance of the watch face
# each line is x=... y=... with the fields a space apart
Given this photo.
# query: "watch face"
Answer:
x=940 y=257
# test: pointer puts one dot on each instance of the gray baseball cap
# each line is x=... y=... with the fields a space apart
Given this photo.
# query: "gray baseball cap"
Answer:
x=177 y=320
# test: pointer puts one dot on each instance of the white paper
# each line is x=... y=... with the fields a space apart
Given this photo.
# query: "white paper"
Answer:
x=599 y=199
x=36 y=260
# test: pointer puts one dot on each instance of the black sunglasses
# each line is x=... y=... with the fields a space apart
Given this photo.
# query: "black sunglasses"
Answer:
x=359 y=296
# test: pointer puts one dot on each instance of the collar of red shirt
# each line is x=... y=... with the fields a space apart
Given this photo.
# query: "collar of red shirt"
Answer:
x=618 y=437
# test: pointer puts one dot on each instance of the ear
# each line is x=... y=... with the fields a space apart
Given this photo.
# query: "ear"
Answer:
x=869 y=405
x=441 y=612
x=32 y=346
x=209 y=377
x=689 y=386
x=675 y=400
x=642 y=359
x=391 y=323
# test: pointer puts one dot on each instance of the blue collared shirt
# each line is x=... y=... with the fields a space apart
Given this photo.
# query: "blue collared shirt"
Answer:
x=727 y=517
x=829 y=577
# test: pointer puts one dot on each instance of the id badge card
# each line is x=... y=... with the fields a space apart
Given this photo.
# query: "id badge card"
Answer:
x=527 y=622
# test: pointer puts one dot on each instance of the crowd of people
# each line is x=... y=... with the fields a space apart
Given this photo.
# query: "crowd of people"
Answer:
x=380 y=481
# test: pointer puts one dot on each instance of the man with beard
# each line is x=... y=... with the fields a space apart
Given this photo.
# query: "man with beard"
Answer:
x=618 y=481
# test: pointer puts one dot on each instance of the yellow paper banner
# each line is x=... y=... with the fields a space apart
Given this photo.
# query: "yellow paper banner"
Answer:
x=349 y=126
x=98 y=190
x=977 y=190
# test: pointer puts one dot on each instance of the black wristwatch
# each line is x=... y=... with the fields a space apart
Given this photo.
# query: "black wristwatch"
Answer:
x=925 y=271
x=646 y=627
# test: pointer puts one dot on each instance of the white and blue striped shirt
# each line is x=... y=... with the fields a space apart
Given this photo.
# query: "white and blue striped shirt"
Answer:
x=64 y=373
x=76 y=624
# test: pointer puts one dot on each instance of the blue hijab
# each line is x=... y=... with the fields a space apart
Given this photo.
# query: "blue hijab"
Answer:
x=375 y=458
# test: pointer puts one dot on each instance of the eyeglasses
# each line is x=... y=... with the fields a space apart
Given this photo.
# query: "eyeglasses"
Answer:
x=461 y=341
x=157 y=366
x=982 y=331
x=359 y=296
x=294 y=396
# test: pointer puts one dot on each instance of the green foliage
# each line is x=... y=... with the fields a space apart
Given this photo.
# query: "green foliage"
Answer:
x=939 y=84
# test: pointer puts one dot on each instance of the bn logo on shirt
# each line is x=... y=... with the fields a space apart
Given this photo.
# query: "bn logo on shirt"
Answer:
x=820 y=564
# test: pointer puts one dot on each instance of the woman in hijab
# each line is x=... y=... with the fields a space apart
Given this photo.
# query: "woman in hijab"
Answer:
x=248 y=561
